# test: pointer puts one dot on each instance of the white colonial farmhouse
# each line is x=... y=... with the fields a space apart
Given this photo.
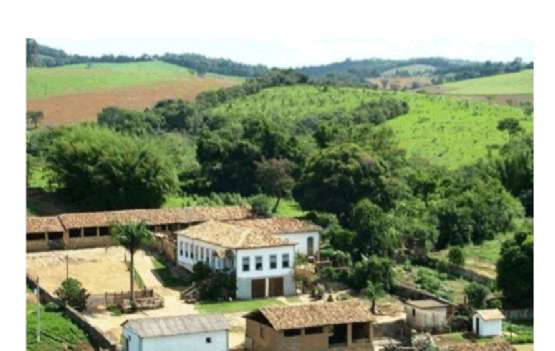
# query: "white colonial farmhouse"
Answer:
x=208 y=332
x=261 y=252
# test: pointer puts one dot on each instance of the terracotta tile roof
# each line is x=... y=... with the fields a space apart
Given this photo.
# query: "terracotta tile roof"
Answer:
x=44 y=224
x=490 y=315
x=425 y=304
x=153 y=216
x=316 y=314
x=232 y=236
x=280 y=225
x=178 y=325
x=496 y=346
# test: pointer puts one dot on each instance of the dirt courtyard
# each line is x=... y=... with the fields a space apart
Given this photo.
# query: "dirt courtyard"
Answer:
x=99 y=269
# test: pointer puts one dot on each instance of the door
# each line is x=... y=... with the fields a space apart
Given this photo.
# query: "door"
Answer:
x=310 y=246
x=477 y=326
x=276 y=286
x=258 y=288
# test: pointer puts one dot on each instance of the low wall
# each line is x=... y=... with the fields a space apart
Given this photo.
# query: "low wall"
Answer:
x=89 y=242
x=37 y=245
x=96 y=336
x=395 y=330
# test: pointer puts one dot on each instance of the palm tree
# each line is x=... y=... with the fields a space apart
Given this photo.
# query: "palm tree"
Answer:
x=132 y=236
x=374 y=291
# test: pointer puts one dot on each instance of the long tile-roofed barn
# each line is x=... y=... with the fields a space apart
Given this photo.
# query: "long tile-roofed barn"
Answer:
x=317 y=314
x=177 y=325
x=151 y=216
x=44 y=224
x=232 y=236
x=280 y=225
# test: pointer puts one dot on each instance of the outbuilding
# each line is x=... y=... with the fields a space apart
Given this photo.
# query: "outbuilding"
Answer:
x=488 y=322
x=426 y=315
x=208 y=332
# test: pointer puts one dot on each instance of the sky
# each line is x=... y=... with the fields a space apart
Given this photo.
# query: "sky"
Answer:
x=301 y=51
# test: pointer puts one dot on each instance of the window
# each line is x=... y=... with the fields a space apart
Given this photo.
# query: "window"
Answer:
x=35 y=236
x=314 y=330
x=180 y=250
x=285 y=261
x=291 y=332
x=196 y=252
x=208 y=340
x=273 y=261
x=104 y=231
x=413 y=312
x=186 y=249
x=90 y=231
x=55 y=236
x=75 y=233
x=246 y=264
x=258 y=263
x=208 y=256
x=202 y=253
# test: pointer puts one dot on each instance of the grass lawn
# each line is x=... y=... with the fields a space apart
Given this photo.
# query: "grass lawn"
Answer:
x=162 y=271
x=56 y=331
x=236 y=306
x=502 y=84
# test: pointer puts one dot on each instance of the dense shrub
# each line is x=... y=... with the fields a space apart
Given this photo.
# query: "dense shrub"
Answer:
x=106 y=170
x=456 y=256
x=72 y=293
x=476 y=295
x=261 y=205
x=515 y=271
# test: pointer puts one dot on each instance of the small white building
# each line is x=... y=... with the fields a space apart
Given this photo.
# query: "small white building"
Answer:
x=208 y=332
x=426 y=315
x=488 y=322
x=263 y=263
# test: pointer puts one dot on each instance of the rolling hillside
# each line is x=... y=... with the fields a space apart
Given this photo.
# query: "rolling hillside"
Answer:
x=520 y=83
x=74 y=93
x=445 y=130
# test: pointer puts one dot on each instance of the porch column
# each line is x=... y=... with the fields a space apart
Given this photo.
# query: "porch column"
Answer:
x=267 y=287
x=349 y=334
x=97 y=231
x=82 y=231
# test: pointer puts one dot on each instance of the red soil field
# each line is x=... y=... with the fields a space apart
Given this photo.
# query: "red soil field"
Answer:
x=79 y=107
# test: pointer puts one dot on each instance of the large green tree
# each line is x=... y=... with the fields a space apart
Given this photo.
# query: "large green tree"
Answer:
x=132 y=236
x=102 y=169
x=341 y=175
x=515 y=270
x=274 y=177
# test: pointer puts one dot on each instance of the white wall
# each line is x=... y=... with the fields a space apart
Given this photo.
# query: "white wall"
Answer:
x=134 y=340
x=488 y=328
x=190 y=342
x=188 y=262
x=265 y=253
x=300 y=239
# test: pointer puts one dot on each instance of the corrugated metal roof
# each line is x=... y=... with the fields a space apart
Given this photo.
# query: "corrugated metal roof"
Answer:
x=177 y=325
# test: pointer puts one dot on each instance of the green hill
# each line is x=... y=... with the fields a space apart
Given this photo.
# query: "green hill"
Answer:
x=412 y=70
x=445 y=130
x=502 y=84
x=46 y=82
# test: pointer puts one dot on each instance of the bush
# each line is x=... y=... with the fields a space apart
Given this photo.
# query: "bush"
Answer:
x=201 y=271
x=220 y=285
x=456 y=256
x=261 y=205
x=52 y=307
x=476 y=294
x=72 y=293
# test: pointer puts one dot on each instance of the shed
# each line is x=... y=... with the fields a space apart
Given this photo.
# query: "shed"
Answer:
x=207 y=332
x=426 y=315
x=488 y=322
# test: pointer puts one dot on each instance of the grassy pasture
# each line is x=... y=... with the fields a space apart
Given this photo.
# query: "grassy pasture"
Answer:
x=448 y=131
x=502 y=84
x=411 y=69
x=75 y=93
x=236 y=306
x=479 y=258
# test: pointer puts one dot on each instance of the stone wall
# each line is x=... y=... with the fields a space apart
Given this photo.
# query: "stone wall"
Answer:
x=89 y=242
